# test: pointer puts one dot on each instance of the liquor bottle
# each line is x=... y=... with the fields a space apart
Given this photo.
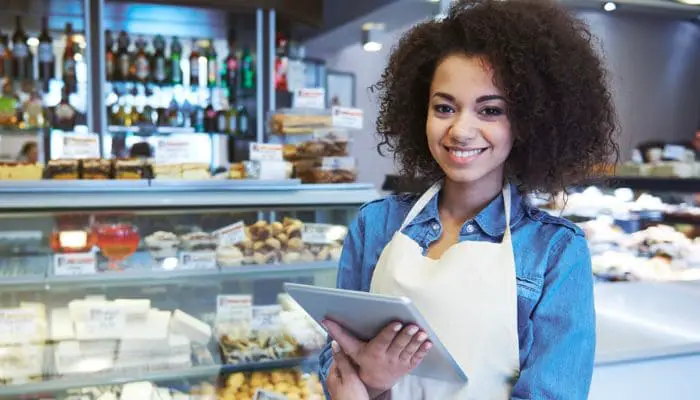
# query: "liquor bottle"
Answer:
x=209 y=119
x=64 y=114
x=198 y=119
x=175 y=116
x=212 y=65
x=8 y=106
x=243 y=121
x=34 y=111
x=123 y=58
x=281 y=82
x=21 y=66
x=47 y=63
x=232 y=121
x=109 y=56
x=230 y=70
x=194 y=64
x=142 y=62
x=175 y=68
x=222 y=121
x=5 y=57
x=247 y=70
x=159 y=63
x=69 y=77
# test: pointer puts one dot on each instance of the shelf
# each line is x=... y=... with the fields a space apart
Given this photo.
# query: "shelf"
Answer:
x=683 y=185
x=18 y=131
x=142 y=194
x=202 y=372
x=141 y=277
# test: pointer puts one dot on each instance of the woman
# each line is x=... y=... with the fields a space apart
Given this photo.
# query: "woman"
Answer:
x=499 y=99
x=29 y=153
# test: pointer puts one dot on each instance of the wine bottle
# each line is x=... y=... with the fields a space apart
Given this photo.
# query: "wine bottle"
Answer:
x=194 y=64
x=142 y=62
x=230 y=75
x=175 y=60
x=47 y=62
x=5 y=57
x=21 y=65
x=109 y=56
x=212 y=66
x=122 y=72
x=159 y=62
x=70 y=82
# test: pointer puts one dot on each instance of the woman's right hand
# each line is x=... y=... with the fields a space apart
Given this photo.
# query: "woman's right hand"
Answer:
x=382 y=361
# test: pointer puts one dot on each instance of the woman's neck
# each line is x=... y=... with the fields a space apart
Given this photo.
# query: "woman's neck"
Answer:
x=463 y=201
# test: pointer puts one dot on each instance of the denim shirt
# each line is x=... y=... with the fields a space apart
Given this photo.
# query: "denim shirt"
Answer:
x=556 y=316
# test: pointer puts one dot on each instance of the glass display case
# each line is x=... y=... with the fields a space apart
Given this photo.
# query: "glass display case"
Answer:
x=142 y=288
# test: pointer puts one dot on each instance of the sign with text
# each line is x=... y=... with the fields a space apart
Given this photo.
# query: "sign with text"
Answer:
x=231 y=234
x=198 y=260
x=17 y=324
x=75 y=264
x=234 y=308
x=104 y=320
x=173 y=151
x=310 y=98
x=75 y=147
x=344 y=117
x=265 y=152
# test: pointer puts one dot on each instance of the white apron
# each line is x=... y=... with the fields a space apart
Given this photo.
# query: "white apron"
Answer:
x=469 y=298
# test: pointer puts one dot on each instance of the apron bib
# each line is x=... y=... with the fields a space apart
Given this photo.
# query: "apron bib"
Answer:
x=469 y=298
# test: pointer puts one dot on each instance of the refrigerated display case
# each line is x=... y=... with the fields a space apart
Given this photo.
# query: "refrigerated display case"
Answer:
x=113 y=284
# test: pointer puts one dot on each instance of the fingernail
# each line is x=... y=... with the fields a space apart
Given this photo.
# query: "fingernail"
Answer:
x=335 y=346
x=325 y=325
x=428 y=346
x=412 y=330
x=422 y=336
x=397 y=327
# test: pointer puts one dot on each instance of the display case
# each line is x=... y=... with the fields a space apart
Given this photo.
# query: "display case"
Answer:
x=163 y=286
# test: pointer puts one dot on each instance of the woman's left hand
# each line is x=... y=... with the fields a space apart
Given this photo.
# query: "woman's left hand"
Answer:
x=343 y=382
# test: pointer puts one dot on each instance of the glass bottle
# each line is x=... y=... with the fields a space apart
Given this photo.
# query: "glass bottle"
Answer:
x=109 y=56
x=212 y=65
x=47 y=62
x=230 y=73
x=142 y=62
x=175 y=68
x=34 y=111
x=159 y=62
x=8 y=106
x=232 y=121
x=209 y=118
x=64 y=114
x=198 y=118
x=247 y=70
x=243 y=121
x=122 y=71
x=5 y=57
x=21 y=66
x=69 y=77
x=194 y=65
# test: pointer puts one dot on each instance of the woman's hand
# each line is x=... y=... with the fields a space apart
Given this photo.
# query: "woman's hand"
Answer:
x=382 y=361
x=343 y=382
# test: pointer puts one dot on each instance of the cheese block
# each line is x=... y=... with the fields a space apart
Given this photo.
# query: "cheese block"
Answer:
x=154 y=326
x=139 y=391
x=163 y=394
x=184 y=324
x=61 y=325
x=134 y=307
x=108 y=396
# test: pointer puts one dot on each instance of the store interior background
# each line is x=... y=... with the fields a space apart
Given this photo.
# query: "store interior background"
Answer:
x=651 y=47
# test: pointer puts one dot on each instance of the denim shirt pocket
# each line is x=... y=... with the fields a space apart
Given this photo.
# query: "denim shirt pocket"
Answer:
x=529 y=292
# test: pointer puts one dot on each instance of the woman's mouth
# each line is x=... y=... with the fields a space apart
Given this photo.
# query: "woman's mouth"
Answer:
x=464 y=156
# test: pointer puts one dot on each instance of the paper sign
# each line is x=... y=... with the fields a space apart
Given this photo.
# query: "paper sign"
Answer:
x=674 y=152
x=75 y=147
x=17 y=323
x=198 y=260
x=261 y=394
x=266 y=318
x=338 y=163
x=74 y=264
x=310 y=98
x=234 y=308
x=104 y=320
x=265 y=152
x=173 y=151
x=344 y=117
x=231 y=234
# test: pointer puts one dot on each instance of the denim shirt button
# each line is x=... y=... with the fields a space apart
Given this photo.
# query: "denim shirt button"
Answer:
x=470 y=228
x=436 y=226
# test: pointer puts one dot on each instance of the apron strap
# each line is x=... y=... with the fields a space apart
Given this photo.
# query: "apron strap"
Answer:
x=430 y=193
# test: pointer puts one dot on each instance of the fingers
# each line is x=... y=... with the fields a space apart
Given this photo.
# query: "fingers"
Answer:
x=402 y=340
x=350 y=344
x=384 y=339
x=414 y=343
x=420 y=354
x=342 y=362
x=333 y=374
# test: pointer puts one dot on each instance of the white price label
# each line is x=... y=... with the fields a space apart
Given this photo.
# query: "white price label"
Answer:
x=75 y=147
x=198 y=260
x=17 y=323
x=310 y=98
x=338 y=163
x=265 y=152
x=344 y=117
x=74 y=264
x=234 y=308
x=174 y=151
x=104 y=321
x=231 y=234
x=674 y=152
x=266 y=318
x=261 y=394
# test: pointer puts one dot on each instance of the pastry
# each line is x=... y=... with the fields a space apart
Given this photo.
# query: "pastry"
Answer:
x=162 y=244
x=237 y=171
x=295 y=244
x=198 y=241
x=129 y=169
x=229 y=256
x=273 y=244
x=167 y=171
x=195 y=171
x=97 y=169
x=62 y=169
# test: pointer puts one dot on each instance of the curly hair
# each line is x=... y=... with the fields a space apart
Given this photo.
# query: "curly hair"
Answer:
x=559 y=105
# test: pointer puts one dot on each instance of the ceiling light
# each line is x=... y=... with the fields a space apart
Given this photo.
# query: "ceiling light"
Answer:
x=32 y=42
x=609 y=6
x=690 y=2
x=372 y=46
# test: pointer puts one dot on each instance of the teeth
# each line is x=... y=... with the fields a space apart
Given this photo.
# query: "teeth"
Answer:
x=465 y=154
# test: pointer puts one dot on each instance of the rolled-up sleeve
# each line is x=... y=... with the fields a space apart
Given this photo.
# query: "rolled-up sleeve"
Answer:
x=349 y=277
x=560 y=363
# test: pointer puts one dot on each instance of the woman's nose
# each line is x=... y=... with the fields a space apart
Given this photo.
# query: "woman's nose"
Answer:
x=464 y=129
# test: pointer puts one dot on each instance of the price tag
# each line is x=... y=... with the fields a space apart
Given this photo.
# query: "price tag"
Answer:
x=265 y=152
x=310 y=98
x=104 y=320
x=344 y=117
x=323 y=233
x=74 y=264
x=674 y=152
x=234 y=308
x=338 y=163
x=261 y=394
x=231 y=234
x=273 y=170
x=198 y=260
x=173 y=151
x=17 y=323
x=266 y=318
x=75 y=147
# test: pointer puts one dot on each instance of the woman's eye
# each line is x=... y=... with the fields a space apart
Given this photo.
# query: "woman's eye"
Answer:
x=443 y=109
x=492 y=111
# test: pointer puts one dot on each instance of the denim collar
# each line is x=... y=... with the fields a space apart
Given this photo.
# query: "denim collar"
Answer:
x=491 y=220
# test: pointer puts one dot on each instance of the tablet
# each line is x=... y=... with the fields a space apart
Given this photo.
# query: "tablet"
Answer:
x=366 y=314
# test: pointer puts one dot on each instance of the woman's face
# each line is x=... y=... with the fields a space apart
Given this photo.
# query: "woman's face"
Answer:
x=33 y=154
x=468 y=130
